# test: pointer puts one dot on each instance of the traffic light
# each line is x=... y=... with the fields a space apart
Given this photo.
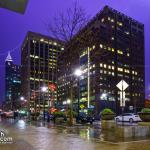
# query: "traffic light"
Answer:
x=18 y=6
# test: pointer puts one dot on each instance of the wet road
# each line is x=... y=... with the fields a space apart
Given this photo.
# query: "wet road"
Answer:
x=49 y=137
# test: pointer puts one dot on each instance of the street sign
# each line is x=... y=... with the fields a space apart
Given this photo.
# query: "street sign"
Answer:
x=82 y=106
x=122 y=99
x=122 y=85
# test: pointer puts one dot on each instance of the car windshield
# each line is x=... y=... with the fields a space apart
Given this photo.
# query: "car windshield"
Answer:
x=128 y=114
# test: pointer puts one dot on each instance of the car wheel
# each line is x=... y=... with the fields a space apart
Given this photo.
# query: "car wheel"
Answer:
x=117 y=119
x=130 y=120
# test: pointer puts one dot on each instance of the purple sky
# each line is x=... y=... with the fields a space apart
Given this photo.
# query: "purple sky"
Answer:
x=13 y=26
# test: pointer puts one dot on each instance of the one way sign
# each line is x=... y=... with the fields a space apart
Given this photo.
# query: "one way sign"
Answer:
x=122 y=85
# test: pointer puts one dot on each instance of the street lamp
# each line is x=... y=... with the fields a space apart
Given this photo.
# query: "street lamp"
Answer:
x=78 y=73
x=68 y=101
x=44 y=90
x=22 y=98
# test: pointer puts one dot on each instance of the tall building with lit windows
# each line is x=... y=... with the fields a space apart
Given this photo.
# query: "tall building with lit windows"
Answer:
x=110 y=48
x=39 y=68
x=12 y=83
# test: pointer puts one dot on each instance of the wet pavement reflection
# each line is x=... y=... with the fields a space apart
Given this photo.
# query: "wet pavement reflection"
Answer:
x=47 y=136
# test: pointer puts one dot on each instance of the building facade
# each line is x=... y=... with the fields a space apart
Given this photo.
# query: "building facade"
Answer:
x=12 y=83
x=110 y=48
x=39 y=69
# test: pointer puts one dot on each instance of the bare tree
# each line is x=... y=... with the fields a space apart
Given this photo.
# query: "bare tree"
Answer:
x=66 y=24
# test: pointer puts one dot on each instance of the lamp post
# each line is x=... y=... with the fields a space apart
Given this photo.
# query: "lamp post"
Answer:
x=44 y=90
x=22 y=98
x=78 y=73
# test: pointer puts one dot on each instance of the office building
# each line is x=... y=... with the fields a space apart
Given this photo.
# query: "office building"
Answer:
x=39 y=69
x=12 y=84
x=110 y=48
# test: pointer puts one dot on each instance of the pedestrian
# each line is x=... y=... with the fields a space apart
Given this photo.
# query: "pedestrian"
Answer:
x=54 y=119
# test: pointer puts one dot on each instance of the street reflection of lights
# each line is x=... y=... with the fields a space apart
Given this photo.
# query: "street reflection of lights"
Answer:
x=101 y=137
x=88 y=134
x=21 y=124
x=68 y=101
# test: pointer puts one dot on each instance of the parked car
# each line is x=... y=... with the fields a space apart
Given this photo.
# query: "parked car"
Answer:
x=83 y=118
x=128 y=117
x=9 y=114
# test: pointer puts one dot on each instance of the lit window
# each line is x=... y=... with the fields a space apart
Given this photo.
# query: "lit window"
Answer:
x=102 y=20
x=112 y=49
x=42 y=40
x=126 y=32
x=128 y=54
x=120 y=75
x=119 y=52
x=108 y=18
x=101 y=46
x=109 y=67
x=112 y=38
x=101 y=65
x=127 y=71
x=112 y=20
x=109 y=48
x=105 y=66
x=135 y=73
x=101 y=71
x=119 y=23
x=105 y=47
x=120 y=69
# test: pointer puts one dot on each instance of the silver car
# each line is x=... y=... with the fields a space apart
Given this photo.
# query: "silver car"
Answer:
x=128 y=117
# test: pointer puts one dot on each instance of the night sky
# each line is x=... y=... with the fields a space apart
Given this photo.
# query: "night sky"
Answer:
x=39 y=13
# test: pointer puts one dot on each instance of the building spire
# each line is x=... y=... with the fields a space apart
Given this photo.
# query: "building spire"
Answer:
x=8 y=58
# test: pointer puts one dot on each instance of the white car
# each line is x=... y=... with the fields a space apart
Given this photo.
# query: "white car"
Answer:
x=129 y=117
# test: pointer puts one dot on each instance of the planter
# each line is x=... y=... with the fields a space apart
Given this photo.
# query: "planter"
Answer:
x=145 y=117
x=108 y=125
x=108 y=117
